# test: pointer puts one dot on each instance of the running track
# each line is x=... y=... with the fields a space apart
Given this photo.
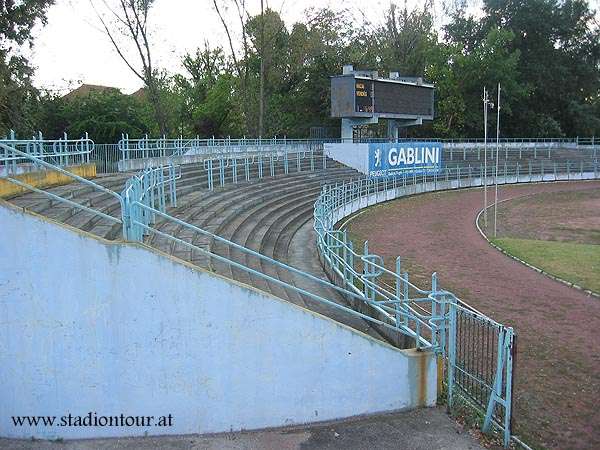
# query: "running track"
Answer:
x=557 y=392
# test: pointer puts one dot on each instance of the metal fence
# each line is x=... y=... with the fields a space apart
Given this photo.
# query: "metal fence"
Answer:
x=237 y=167
x=478 y=352
x=165 y=147
x=106 y=157
x=454 y=149
x=60 y=152
x=479 y=365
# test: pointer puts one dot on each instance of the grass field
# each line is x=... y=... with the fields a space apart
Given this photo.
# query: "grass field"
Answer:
x=573 y=262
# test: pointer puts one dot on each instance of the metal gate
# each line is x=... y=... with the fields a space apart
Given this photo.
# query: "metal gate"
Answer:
x=480 y=363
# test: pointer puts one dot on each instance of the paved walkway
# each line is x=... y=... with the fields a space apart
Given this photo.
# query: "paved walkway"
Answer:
x=423 y=429
x=558 y=357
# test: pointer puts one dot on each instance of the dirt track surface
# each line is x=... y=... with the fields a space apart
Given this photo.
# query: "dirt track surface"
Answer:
x=557 y=398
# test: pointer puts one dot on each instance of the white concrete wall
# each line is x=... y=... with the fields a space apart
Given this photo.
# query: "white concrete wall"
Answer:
x=441 y=184
x=352 y=155
x=92 y=326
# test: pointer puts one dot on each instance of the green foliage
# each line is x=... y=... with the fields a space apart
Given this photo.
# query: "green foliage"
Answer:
x=217 y=115
x=459 y=76
x=104 y=115
x=17 y=94
x=544 y=53
x=559 y=46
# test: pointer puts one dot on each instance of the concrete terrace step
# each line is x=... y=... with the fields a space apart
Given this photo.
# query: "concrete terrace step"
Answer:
x=249 y=226
x=211 y=209
x=194 y=179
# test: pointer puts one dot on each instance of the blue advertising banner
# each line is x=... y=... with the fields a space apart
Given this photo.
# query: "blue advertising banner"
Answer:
x=391 y=159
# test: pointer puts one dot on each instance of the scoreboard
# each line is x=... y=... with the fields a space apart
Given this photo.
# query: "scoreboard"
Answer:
x=364 y=96
x=358 y=96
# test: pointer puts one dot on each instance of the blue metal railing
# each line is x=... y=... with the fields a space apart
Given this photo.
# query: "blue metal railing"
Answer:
x=387 y=291
x=59 y=152
x=149 y=187
x=144 y=192
x=164 y=147
x=156 y=151
x=233 y=166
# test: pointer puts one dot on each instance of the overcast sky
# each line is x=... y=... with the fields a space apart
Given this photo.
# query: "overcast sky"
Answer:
x=72 y=49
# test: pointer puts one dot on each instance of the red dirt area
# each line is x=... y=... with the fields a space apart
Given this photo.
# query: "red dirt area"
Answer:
x=557 y=384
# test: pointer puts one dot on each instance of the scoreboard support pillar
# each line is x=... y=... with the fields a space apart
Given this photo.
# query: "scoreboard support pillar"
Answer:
x=393 y=130
x=349 y=124
x=395 y=124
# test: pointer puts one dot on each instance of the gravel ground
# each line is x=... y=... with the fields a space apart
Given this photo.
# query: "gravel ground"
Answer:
x=421 y=429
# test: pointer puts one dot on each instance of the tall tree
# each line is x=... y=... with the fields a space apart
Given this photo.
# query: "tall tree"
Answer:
x=241 y=58
x=208 y=93
x=404 y=39
x=17 y=94
x=559 y=44
x=128 y=19
x=261 y=108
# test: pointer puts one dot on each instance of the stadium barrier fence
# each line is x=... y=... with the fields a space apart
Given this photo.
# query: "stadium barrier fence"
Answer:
x=478 y=352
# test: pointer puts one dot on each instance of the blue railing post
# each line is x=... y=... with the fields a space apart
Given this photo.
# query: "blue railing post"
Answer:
x=222 y=171
x=399 y=293
x=208 y=166
x=451 y=363
x=434 y=313
x=234 y=170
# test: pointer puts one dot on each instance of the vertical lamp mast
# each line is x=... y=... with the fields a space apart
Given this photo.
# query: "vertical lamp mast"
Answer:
x=485 y=121
x=496 y=174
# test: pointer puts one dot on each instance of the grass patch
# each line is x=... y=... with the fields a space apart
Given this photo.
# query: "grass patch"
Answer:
x=576 y=263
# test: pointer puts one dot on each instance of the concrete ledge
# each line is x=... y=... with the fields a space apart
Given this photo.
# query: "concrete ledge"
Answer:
x=44 y=179
x=199 y=154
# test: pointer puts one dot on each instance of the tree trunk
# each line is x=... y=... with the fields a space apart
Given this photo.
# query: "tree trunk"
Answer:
x=159 y=112
x=261 y=106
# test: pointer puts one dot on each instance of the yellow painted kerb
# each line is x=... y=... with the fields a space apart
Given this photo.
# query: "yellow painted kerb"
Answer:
x=44 y=179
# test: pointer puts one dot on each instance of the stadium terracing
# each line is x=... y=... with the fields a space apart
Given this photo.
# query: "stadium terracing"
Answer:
x=215 y=278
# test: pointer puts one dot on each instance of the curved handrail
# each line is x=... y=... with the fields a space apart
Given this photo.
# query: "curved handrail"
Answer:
x=337 y=252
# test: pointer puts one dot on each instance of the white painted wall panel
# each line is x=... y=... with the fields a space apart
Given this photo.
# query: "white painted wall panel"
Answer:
x=88 y=325
x=352 y=155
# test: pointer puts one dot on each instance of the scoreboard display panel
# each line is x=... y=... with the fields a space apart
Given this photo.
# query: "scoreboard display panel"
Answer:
x=397 y=98
x=355 y=96
x=364 y=96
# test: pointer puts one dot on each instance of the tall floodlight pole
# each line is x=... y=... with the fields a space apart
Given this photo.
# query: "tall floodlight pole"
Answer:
x=496 y=174
x=485 y=106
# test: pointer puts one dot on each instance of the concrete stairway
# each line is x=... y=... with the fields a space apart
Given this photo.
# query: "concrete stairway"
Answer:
x=84 y=195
